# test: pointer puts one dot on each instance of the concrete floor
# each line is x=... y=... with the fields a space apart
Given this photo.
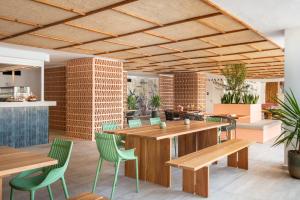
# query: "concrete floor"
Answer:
x=265 y=179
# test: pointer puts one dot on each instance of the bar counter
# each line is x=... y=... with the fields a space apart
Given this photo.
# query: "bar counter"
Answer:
x=24 y=123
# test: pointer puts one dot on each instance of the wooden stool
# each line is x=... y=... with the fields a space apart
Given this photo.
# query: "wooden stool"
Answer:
x=88 y=196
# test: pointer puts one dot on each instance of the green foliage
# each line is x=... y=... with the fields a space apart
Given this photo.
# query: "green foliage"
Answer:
x=250 y=99
x=131 y=102
x=155 y=101
x=289 y=114
x=230 y=98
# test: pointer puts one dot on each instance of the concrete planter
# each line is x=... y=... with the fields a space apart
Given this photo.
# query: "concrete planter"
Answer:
x=252 y=111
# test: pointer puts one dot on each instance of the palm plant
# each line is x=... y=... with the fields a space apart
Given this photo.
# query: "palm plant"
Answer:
x=155 y=102
x=131 y=102
x=289 y=114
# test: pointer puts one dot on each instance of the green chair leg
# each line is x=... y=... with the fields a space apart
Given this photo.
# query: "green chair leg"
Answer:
x=32 y=195
x=115 y=180
x=137 y=175
x=50 y=192
x=99 y=166
x=63 y=181
x=12 y=192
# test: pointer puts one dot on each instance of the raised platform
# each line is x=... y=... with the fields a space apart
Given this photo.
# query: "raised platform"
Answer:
x=260 y=131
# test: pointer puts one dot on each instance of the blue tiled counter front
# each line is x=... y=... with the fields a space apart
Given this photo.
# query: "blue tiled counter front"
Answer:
x=23 y=126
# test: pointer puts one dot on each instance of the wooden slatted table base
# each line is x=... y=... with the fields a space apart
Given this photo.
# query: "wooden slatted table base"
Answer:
x=196 y=165
x=88 y=196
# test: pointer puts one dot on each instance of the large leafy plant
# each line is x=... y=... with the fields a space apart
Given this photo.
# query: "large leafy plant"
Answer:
x=155 y=102
x=289 y=114
x=131 y=102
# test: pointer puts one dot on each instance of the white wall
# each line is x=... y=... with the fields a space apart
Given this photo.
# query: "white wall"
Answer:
x=214 y=92
x=29 y=77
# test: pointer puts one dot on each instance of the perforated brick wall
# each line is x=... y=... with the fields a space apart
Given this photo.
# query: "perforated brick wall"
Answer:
x=190 y=90
x=125 y=74
x=55 y=90
x=94 y=95
x=166 y=91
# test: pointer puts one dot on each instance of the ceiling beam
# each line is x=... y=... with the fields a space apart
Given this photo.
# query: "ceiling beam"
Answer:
x=69 y=19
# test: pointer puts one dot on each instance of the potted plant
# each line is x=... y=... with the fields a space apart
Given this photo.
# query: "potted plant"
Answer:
x=155 y=104
x=289 y=114
x=132 y=104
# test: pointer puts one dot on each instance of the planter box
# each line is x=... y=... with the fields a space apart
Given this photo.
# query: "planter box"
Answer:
x=251 y=111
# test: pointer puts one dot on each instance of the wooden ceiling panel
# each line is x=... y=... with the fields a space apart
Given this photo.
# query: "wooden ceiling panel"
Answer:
x=79 y=50
x=82 y=5
x=67 y=32
x=232 y=49
x=234 y=38
x=184 y=30
x=152 y=50
x=35 y=41
x=8 y=27
x=194 y=54
x=103 y=46
x=225 y=58
x=222 y=23
x=188 y=45
x=164 y=12
x=173 y=63
x=264 y=54
x=120 y=55
x=31 y=11
x=162 y=58
x=139 y=39
x=264 y=45
x=111 y=22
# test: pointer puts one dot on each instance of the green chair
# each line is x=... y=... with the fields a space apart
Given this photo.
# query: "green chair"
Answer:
x=155 y=121
x=216 y=119
x=134 y=123
x=109 y=151
x=110 y=126
x=33 y=180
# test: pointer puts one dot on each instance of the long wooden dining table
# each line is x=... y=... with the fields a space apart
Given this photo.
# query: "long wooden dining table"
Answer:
x=15 y=161
x=153 y=146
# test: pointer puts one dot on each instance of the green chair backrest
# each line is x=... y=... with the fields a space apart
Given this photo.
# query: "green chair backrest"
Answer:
x=214 y=119
x=109 y=126
x=61 y=151
x=107 y=147
x=134 y=123
x=155 y=121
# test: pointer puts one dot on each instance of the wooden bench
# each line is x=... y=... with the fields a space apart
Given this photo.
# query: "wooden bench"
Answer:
x=88 y=196
x=196 y=165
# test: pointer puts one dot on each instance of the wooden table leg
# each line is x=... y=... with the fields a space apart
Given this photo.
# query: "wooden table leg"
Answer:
x=1 y=189
x=243 y=158
x=232 y=160
x=202 y=182
x=207 y=138
x=152 y=155
x=188 y=181
x=186 y=144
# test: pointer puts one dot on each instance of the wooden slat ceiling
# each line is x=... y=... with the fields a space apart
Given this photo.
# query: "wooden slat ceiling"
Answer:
x=151 y=35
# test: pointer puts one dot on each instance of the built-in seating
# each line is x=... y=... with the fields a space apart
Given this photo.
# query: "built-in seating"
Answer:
x=260 y=131
x=88 y=196
x=196 y=165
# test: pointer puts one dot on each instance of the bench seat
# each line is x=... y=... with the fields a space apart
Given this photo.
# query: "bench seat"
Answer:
x=196 y=165
x=88 y=196
x=260 y=131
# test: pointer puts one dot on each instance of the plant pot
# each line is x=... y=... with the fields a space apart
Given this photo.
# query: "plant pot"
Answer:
x=155 y=113
x=294 y=163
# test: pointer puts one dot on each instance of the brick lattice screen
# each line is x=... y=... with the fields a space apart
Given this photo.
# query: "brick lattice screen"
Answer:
x=190 y=89
x=166 y=91
x=94 y=95
x=55 y=90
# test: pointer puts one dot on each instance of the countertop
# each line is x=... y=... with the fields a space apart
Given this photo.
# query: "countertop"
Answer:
x=27 y=104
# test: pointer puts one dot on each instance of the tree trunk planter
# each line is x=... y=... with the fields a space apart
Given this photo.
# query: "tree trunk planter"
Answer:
x=294 y=163
x=252 y=111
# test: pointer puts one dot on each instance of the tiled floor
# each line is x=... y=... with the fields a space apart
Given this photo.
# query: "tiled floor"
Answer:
x=265 y=179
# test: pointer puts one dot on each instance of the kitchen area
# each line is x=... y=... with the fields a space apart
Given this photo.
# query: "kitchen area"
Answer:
x=24 y=114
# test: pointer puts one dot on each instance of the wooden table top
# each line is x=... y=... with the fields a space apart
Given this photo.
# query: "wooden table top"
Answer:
x=174 y=128
x=228 y=115
x=15 y=161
